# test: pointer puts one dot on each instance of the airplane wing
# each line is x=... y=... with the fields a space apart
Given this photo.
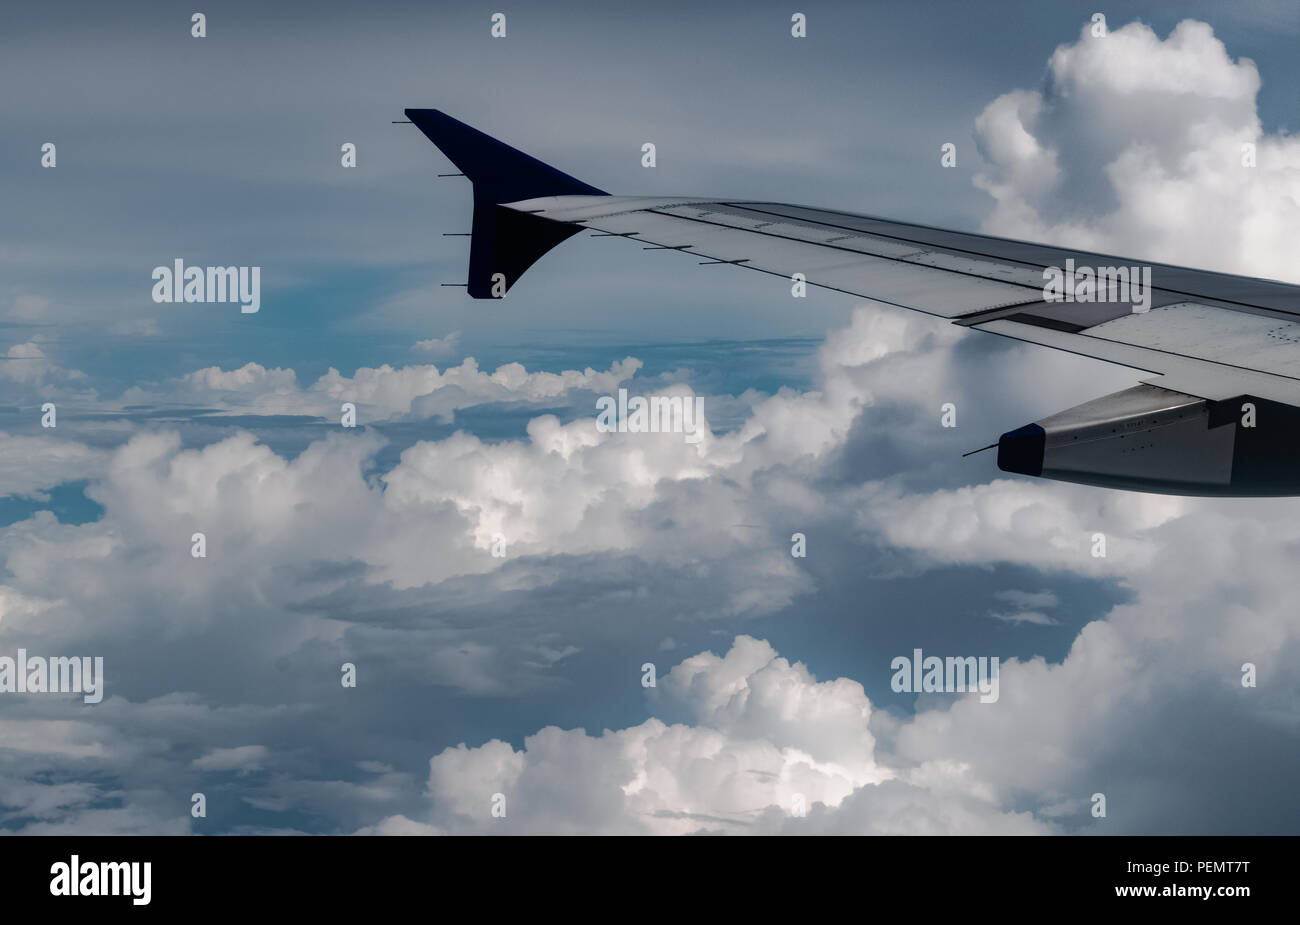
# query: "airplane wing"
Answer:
x=1218 y=410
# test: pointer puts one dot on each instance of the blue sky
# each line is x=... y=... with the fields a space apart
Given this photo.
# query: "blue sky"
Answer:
x=178 y=145
x=370 y=545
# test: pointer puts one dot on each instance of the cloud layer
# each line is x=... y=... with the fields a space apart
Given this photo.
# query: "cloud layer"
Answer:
x=223 y=672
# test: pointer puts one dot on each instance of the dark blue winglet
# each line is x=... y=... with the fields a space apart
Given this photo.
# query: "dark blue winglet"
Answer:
x=504 y=241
